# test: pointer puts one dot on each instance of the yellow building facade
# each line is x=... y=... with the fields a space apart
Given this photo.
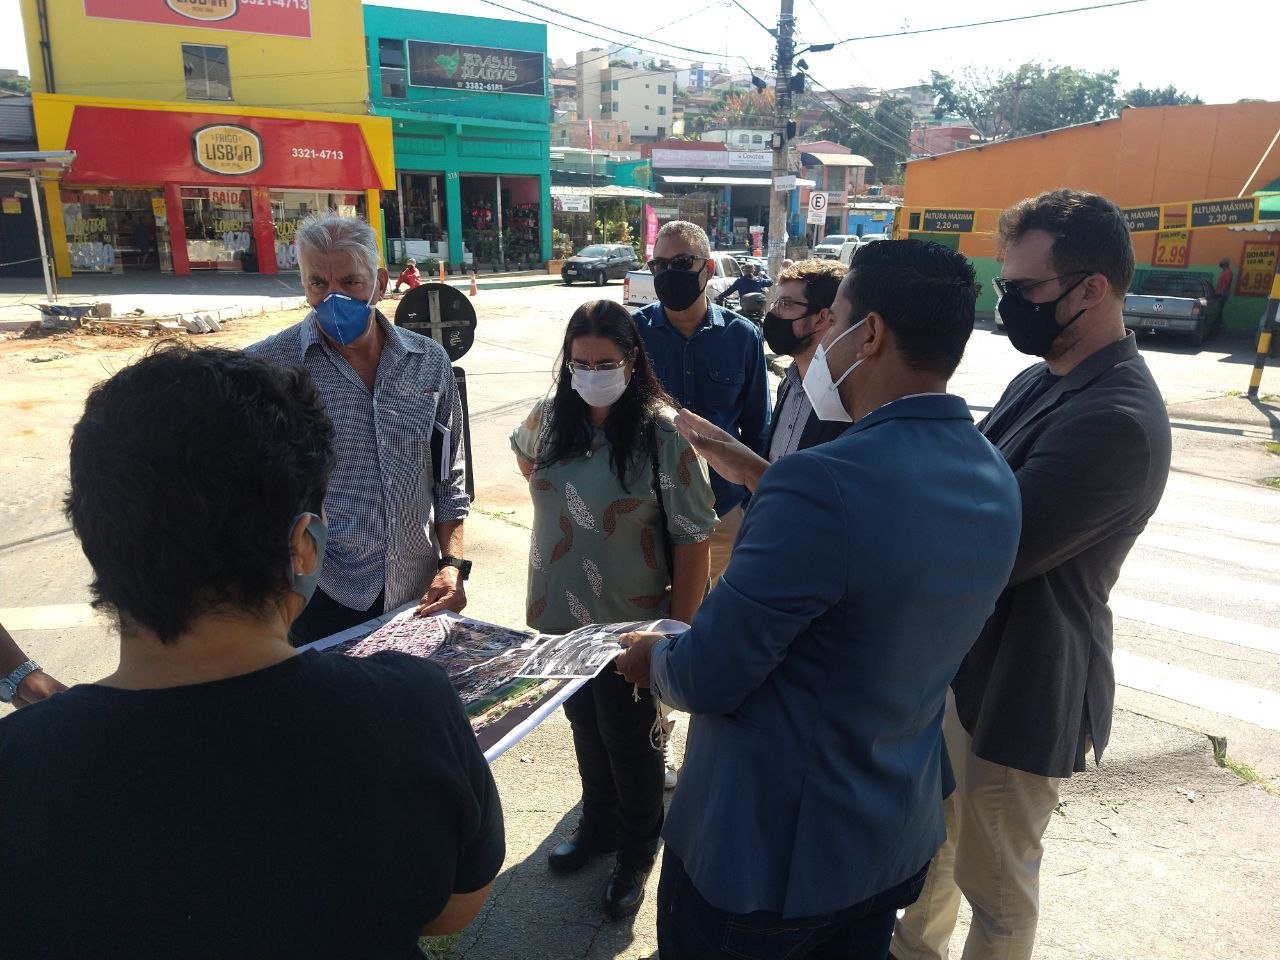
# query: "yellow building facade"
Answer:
x=204 y=130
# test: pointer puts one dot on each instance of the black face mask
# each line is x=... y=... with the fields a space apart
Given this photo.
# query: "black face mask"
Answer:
x=678 y=289
x=780 y=335
x=1033 y=327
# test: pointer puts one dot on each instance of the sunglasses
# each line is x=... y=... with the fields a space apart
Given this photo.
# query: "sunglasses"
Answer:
x=1019 y=288
x=682 y=261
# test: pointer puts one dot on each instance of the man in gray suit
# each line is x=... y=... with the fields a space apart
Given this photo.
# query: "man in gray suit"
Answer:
x=1087 y=436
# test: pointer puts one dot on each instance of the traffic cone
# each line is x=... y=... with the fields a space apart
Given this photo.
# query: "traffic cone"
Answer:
x=442 y=271
x=472 y=292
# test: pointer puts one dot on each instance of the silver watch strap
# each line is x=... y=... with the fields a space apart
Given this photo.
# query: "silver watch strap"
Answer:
x=9 y=685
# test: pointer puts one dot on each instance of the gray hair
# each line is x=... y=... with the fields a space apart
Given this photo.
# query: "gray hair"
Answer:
x=690 y=233
x=326 y=232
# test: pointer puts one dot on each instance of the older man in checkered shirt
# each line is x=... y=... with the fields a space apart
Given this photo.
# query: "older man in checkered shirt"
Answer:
x=396 y=501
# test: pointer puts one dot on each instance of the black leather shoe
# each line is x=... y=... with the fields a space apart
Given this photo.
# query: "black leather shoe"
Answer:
x=625 y=892
x=578 y=850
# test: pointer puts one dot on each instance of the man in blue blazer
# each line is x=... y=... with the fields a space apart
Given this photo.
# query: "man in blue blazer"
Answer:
x=811 y=798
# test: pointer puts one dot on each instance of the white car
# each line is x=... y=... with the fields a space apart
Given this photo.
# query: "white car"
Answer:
x=829 y=247
x=855 y=244
x=638 y=286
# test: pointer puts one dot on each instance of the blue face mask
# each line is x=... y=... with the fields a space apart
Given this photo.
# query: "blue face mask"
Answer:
x=304 y=584
x=342 y=318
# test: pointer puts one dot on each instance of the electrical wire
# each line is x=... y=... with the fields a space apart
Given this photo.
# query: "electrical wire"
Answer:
x=988 y=23
x=905 y=139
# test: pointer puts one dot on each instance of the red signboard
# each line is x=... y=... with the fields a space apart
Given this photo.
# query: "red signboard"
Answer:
x=164 y=147
x=282 y=18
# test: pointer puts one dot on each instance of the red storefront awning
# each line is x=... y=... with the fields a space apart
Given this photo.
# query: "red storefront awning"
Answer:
x=137 y=147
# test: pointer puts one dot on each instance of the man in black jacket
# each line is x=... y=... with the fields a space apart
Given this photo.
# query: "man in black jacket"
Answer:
x=1087 y=436
x=793 y=327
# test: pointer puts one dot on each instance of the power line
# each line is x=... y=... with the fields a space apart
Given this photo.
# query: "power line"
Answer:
x=988 y=23
x=897 y=134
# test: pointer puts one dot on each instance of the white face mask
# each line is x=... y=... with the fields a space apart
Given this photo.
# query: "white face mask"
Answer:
x=823 y=392
x=600 y=388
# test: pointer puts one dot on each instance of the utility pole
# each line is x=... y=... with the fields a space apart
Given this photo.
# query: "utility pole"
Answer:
x=780 y=202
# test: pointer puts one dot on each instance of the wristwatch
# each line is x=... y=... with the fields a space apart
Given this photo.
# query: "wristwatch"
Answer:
x=9 y=685
x=464 y=566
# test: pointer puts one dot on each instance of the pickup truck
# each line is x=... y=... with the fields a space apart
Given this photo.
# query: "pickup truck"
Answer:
x=637 y=288
x=1165 y=301
x=847 y=249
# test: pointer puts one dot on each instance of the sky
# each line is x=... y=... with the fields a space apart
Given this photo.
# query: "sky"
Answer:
x=1153 y=42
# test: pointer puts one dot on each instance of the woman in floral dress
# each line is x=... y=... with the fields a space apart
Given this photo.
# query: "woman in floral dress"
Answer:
x=597 y=453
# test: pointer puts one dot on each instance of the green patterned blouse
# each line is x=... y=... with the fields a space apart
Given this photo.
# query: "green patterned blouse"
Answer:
x=597 y=554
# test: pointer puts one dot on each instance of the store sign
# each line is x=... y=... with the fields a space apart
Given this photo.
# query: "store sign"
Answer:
x=749 y=159
x=282 y=18
x=1174 y=217
x=667 y=159
x=11 y=205
x=1142 y=219
x=1173 y=249
x=226 y=149
x=282 y=151
x=571 y=204
x=483 y=69
x=1257 y=269
x=784 y=184
x=949 y=221
x=1218 y=213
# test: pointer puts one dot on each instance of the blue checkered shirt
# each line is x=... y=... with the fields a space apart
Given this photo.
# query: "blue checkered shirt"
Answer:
x=387 y=491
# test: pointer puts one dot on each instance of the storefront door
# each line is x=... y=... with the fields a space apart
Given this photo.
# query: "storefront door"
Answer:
x=219 y=227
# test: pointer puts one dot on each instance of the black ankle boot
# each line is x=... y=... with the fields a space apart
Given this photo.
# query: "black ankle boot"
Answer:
x=580 y=849
x=625 y=891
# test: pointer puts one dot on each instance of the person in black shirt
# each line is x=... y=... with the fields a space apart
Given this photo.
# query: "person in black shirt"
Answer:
x=221 y=794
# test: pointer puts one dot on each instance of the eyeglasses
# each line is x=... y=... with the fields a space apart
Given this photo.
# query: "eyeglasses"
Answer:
x=681 y=261
x=789 y=304
x=1011 y=288
x=581 y=366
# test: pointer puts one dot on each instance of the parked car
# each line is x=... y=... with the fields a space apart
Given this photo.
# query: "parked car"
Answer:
x=828 y=248
x=600 y=263
x=638 y=285
x=1174 y=302
x=850 y=247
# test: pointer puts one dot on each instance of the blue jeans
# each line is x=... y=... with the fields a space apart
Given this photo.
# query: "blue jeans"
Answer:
x=689 y=928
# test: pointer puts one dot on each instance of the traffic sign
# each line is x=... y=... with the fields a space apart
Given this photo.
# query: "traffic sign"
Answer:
x=949 y=221
x=441 y=312
x=817 y=207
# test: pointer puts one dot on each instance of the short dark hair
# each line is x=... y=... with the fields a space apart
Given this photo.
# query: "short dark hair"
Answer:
x=821 y=279
x=924 y=291
x=186 y=470
x=1089 y=234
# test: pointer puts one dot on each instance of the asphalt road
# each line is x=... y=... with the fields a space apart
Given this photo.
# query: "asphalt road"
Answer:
x=1197 y=607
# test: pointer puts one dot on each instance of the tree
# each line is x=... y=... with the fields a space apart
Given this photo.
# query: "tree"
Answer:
x=882 y=135
x=15 y=84
x=1169 y=96
x=741 y=109
x=1028 y=100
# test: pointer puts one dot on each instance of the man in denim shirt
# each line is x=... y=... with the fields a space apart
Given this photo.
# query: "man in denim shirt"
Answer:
x=709 y=359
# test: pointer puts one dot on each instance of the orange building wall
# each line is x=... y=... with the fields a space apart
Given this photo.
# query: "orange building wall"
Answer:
x=1148 y=155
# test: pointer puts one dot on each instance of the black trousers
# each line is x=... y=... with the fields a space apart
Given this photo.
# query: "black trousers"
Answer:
x=622 y=773
x=325 y=616
x=689 y=928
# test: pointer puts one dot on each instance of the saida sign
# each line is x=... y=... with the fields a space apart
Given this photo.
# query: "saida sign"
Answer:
x=227 y=149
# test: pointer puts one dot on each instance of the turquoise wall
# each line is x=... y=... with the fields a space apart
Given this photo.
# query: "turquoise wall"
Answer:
x=460 y=133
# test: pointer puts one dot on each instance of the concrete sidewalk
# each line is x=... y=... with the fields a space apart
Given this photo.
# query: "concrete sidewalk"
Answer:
x=222 y=295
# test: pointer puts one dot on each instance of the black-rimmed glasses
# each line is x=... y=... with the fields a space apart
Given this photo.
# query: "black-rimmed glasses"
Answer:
x=1019 y=288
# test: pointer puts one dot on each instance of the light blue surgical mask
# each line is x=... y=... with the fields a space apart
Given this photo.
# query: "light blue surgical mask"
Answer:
x=304 y=584
x=343 y=318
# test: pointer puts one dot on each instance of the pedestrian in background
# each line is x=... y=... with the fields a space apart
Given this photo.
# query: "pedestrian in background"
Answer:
x=622 y=516
x=397 y=499
x=409 y=276
x=1087 y=436
x=816 y=671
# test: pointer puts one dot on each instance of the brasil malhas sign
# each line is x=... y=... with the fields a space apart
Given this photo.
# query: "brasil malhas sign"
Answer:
x=451 y=66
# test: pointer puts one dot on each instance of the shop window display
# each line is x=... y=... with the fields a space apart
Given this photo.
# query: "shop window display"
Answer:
x=109 y=231
x=219 y=227
x=290 y=207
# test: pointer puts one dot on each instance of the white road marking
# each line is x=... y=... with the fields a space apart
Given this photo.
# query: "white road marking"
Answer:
x=1231 y=699
x=1261 y=530
x=1192 y=487
x=1179 y=581
x=55 y=617
x=1211 y=548
x=1199 y=624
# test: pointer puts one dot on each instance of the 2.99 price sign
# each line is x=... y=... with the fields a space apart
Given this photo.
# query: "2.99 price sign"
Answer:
x=1173 y=249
